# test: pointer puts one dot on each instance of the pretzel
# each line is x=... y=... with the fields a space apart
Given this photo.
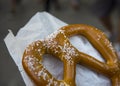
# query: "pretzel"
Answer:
x=59 y=45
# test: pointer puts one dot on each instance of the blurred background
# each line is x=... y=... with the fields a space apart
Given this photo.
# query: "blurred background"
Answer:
x=14 y=14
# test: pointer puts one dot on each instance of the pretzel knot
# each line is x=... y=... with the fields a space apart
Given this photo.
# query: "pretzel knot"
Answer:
x=59 y=45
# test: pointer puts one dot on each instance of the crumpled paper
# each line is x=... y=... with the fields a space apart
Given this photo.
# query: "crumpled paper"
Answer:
x=39 y=27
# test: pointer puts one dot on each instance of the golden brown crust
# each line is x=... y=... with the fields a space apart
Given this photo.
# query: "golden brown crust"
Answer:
x=58 y=45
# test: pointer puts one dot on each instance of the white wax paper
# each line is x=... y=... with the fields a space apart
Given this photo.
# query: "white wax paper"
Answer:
x=40 y=26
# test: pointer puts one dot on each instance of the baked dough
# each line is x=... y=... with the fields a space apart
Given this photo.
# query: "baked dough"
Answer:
x=58 y=44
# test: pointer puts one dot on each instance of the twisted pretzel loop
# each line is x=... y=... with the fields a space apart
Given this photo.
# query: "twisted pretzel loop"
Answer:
x=58 y=45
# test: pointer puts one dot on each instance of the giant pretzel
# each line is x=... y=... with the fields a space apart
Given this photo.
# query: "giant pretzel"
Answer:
x=59 y=45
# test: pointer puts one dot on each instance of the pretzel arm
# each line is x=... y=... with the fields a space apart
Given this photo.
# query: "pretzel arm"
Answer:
x=69 y=73
x=32 y=63
x=94 y=64
x=116 y=80
x=96 y=37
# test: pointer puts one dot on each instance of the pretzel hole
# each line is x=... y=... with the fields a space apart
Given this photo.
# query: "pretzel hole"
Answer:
x=83 y=45
x=53 y=65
